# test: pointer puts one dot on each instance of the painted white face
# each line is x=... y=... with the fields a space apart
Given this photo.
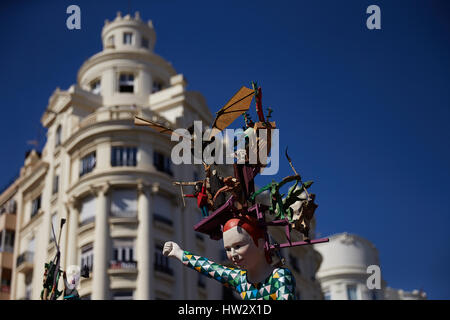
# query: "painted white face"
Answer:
x=241 y=249
x=73 y=276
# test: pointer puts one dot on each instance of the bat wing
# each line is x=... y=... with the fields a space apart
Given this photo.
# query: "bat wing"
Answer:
x=234 y=108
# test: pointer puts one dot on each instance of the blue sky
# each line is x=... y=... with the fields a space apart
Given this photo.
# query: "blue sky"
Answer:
x=365 y=113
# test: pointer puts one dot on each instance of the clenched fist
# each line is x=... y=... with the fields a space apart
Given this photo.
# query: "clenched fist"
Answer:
x=172 y=249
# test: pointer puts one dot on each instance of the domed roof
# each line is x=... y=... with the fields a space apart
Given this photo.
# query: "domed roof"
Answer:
x=346 y=253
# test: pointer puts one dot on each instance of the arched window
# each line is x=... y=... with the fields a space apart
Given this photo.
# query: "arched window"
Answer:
x=96 y=86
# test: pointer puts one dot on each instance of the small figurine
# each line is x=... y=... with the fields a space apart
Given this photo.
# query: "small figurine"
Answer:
x=202 y=198
x=253 y=276
x=233 y=186
x=277 y=208
x=301 y=220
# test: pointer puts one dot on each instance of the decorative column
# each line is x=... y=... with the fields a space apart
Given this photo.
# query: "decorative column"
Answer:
x=100 y=267
x=177 y=208
x=72 y=228
x=144 y=245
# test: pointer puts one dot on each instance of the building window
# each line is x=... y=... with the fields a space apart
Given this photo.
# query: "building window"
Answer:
x=123 y=254
x=8 y=207
x=126 y=82
x=122 y=295
x=161 y=261
x=96 y=86
x=54 y=222
x=55 y=186
x=8 y=244
x=87 y=256
x=87 y=212
x=127 y=38
x=124 y=203
x=87 y=163
x=58 y=136
x=123 y=156
x=351 y=292
x=35 y=206
x=162 y=163
x=144 y=42
x=163 y=210
x=157 y=86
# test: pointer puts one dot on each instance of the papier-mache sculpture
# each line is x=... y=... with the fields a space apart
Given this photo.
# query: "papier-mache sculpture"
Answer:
x=237 y=218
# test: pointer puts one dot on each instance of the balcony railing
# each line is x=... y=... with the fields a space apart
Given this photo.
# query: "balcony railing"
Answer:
x=124 y=214
x=7 y=248
x=86 y=221
x=5 y=288
x=122 y=112
x=128 y=265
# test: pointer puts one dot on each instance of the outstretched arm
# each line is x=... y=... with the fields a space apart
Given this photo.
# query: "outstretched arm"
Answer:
x=286 y=288
x=207 y=267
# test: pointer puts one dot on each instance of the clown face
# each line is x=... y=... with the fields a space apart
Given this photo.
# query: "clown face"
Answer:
x=73 y=276
x=242 y=250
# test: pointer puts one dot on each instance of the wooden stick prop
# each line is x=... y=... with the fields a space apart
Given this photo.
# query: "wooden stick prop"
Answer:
x=52 y=269
x=293 y=169
x=258 y=100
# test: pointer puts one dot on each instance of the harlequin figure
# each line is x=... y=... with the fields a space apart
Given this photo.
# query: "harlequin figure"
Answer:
x=202 y=198
x=253 y=277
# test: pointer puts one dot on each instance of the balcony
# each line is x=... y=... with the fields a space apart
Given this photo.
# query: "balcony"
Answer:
x=122 y=267
x=121 y=112
x=6 y=258
x=7 y=221
x=4 y=293
x=24 y=262
x=123 y=214
x=127 y=265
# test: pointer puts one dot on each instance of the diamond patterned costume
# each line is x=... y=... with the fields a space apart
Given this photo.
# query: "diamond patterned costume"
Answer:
x=280 y=285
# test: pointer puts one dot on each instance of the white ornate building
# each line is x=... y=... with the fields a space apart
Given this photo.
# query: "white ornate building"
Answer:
x=343 y=273
x=112 y=181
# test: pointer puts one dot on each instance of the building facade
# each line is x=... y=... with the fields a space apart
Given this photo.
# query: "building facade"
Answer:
x=112 y=182
x=8 y=208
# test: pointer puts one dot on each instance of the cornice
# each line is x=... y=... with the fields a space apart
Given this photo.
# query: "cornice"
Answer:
x=123 y=177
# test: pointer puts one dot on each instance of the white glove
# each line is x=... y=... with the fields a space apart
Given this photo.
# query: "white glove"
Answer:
x=172 y=249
